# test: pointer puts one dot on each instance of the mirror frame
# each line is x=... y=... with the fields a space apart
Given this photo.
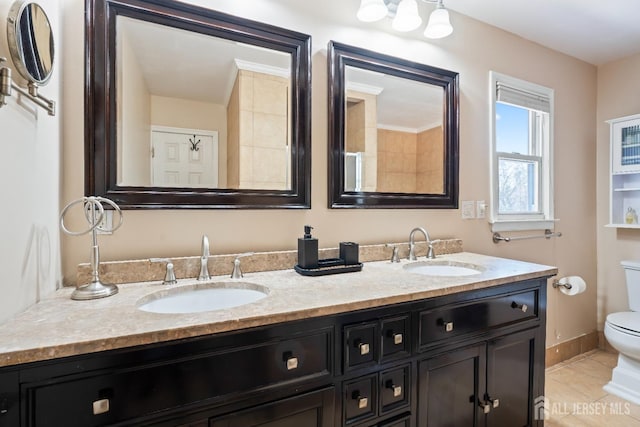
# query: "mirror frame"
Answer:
x=340 y=56
x=100 y=105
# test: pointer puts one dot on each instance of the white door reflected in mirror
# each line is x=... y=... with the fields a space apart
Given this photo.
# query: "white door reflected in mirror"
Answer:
x=184 y=159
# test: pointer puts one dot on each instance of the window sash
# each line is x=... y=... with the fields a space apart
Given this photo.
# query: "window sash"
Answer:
x=537 y=185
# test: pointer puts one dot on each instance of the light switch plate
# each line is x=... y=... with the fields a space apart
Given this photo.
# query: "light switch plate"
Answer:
x=481 y=209
x=468 y=209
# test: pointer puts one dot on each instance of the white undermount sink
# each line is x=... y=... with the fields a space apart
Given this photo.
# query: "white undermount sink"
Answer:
x=443 y=268
x=202 y=297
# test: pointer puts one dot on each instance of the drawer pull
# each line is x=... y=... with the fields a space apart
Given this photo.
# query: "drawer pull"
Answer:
x=4 y=406
x=292 y=363
x=522 y=307
x=495 y=402
x=397 y=389
x=100 y=406
x=363 y=401
x=364 y=348
x=448 y=326
x=486 y=408
x=397 y=339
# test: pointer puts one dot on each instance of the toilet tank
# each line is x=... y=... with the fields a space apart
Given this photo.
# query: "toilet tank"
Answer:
x=632 y=276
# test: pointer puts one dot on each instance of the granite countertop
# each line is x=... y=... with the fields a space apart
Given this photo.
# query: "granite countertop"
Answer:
x=58 y=326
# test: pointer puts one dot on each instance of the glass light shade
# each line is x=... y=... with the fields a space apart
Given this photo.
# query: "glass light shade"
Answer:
x=438 y=25
x=372 y=10
x=407 y=17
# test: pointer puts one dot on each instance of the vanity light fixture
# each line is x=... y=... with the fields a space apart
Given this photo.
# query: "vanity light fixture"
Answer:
x=406 y=17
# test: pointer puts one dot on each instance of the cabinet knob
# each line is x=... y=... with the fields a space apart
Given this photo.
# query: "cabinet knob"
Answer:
x=396 y=389
x=292 y=363
x=100 y=406
x=495 y=402
x=4 y=406
x=364 y=348
x=522 y=307
x=486 y=408
x=363 y=401
x=397 y=339
x=448 y=326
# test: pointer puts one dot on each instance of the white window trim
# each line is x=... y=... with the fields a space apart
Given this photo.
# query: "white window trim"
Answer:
x=534 y=221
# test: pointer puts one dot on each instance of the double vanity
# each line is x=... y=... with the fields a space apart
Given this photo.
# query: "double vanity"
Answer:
x=457 y=340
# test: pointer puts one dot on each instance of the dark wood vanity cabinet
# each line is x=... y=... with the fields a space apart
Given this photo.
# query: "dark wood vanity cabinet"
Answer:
x=468 y=359
x=487 y=384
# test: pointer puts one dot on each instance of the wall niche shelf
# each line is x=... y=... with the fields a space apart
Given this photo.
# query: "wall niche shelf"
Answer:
x=624 y=195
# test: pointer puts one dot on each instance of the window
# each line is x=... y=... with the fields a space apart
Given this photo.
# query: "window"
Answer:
x=521 y=161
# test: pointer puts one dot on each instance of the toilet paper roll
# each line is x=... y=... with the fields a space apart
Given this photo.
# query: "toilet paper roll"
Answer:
x=578 y=285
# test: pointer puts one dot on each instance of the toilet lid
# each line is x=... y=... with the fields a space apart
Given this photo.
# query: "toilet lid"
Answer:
x=628 y=320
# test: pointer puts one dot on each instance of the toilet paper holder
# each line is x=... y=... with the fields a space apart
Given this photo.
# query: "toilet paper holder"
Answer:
x=556 y=284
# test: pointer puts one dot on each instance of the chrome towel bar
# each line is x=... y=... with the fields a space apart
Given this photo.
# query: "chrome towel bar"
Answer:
x=497 y=238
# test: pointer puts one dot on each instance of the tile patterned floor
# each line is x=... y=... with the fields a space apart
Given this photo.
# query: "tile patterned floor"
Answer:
x=575 y=396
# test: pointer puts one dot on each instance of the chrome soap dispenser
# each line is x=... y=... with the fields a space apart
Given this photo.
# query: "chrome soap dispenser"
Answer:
x=308 y=249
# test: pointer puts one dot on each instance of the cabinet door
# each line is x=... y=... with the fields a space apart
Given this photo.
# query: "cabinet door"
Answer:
x=451 y=388
x=510 y=379
x=313 y=409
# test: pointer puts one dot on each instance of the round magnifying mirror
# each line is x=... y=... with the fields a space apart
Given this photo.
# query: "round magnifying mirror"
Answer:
x=30 y=41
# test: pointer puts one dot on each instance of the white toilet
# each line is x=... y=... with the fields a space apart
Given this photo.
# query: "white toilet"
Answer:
x=622 y=330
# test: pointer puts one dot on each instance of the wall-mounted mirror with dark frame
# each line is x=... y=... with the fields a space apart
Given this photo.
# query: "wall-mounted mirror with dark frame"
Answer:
x=393 y=132
x=187 y=107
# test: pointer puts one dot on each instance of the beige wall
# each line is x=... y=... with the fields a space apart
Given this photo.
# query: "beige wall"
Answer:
x=31 y=144
x=233 y=138
x=362 y=135
x=473 y=50
x=618 y=88
x=134 y=120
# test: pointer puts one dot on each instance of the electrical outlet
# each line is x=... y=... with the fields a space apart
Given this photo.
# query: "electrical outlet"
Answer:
x=106 y=225
x=481 y=209
x=468 y=209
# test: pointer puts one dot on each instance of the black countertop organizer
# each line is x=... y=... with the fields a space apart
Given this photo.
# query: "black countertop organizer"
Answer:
x=329 y=266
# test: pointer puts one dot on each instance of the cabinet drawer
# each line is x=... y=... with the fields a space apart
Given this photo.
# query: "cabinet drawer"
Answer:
x=394 y=389
x=360 y=344
x=396 y=337
x=359 y=399
x=109 y=397
x=477 y=316
x=401 y=422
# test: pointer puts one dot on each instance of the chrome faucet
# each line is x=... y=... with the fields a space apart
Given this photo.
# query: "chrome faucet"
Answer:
x=412 y=244
x=204 y=258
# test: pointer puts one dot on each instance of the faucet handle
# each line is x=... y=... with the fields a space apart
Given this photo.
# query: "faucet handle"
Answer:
x=237 y=271
x=204 y=259
x=394 y=252
x=170 y=275
x=431 y=254
x=205 y=246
